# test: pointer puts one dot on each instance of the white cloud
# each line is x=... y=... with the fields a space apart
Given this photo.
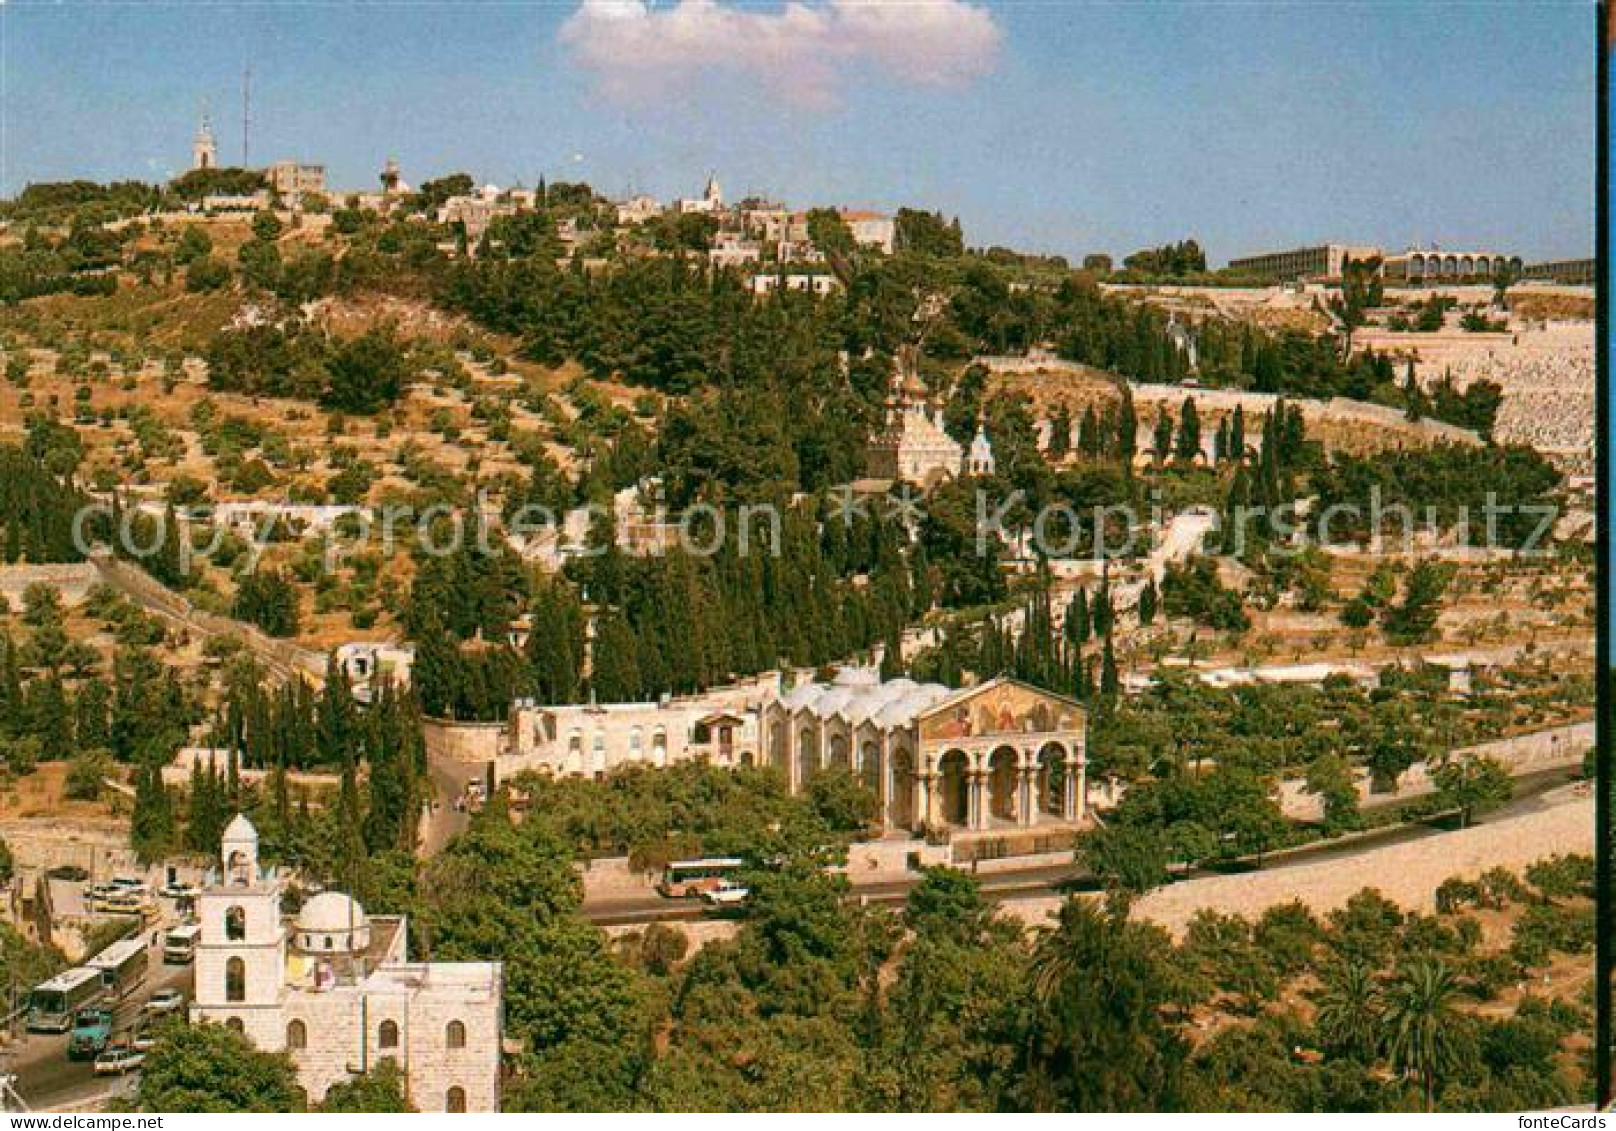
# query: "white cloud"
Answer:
x=802 y=52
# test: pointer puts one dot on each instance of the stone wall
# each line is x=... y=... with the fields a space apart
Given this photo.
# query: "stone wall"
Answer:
x=1520 y=755
x=72 y=582
x=471 y=743
x=40 y=843
x=281 y=656
x=1337 y=410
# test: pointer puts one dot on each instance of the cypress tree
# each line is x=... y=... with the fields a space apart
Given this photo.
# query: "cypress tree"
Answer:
x=1077 y=619
x=151 y=824
x=1188 y=444
x=1147 y=602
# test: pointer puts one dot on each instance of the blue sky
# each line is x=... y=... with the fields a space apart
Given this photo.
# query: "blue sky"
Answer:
x=1045 y=126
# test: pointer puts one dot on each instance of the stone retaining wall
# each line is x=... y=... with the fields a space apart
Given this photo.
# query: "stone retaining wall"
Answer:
x=470 y=743
x=73 y=581
x=1520 y=755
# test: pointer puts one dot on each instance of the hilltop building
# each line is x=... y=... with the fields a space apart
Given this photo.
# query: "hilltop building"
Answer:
x=1324 y=261
x=334 y=988
x=871 y=229
x=293 y=180
x=204 y=150
x=710 y=202
x=638 y=210
x=1424 y=265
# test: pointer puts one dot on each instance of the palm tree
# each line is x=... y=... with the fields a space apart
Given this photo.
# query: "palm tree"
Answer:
x=1348 y=1017
x=1420 y=1023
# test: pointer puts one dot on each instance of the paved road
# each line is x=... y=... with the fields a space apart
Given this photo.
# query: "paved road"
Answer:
x=47 y=1079
x=1533 y=793
x=444 y=822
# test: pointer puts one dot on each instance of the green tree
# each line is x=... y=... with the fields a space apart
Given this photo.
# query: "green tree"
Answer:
x=380 y=1089
x=1331 y=780
x=209 y=1068
x=1423 y=1031
x=367 y=373
x=1348 y=1018
x=1472 y=784
x=1413 y=618
x=1096 y=1038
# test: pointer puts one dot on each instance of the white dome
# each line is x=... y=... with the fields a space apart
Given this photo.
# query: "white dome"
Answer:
x=854 y=676
x=332 y=911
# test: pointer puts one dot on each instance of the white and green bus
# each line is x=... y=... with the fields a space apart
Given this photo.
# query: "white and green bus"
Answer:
x=122 y=966
x=52 y=1004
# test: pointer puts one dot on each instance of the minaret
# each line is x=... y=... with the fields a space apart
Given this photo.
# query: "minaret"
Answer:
x=204 y=153
x=713 y=195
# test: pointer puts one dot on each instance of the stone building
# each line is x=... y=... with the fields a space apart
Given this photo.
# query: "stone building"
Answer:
x=711 y=201
x=1324 y=261
x=293 y=180
x=1419 y=266
x=1002 y=754
x=592 y=739
x=334 y=988
x=204 y=151
x=871 y=229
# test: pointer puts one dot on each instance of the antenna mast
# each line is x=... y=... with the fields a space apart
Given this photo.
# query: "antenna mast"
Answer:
x=246 y=115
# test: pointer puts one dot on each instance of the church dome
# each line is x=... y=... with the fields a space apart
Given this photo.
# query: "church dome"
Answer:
x=332 y=922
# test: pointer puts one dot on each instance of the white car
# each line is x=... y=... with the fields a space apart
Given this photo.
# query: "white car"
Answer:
x=117 y=1060
x=727 y=895
x=164 y=1002
x=179 y=891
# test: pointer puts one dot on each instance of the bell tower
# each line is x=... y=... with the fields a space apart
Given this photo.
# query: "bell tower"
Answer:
x=241 y=955
x=204 y=153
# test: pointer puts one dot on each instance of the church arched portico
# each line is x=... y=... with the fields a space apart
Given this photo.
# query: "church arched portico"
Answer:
x=1003 y=785
x=955 y=789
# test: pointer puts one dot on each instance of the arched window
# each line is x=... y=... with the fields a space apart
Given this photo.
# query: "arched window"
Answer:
x=235 y=980
x=235 y=1026
x=455 y=1100
x=455 y=1035
x=297 y=1035
x=328 y=942
x=235 y=924
x=387 y=1036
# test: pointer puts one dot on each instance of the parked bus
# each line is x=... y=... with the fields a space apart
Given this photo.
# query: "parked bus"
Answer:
x=683 y=879
x=123 y=967
x=52 y=1004
x=179 y=945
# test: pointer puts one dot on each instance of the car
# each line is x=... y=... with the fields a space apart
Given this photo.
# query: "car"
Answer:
x=143 y=1040
x=128 y=884
x=727 y=895
x=178 y=891
x=115 y=1060
x=164 y=1002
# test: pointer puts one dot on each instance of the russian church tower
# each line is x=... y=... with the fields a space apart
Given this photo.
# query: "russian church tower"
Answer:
x=204 y=153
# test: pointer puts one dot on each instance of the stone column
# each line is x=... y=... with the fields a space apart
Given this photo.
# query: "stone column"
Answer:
x=924 y=794
x=1069 y=794
x=883 y=786
x=791 y=756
